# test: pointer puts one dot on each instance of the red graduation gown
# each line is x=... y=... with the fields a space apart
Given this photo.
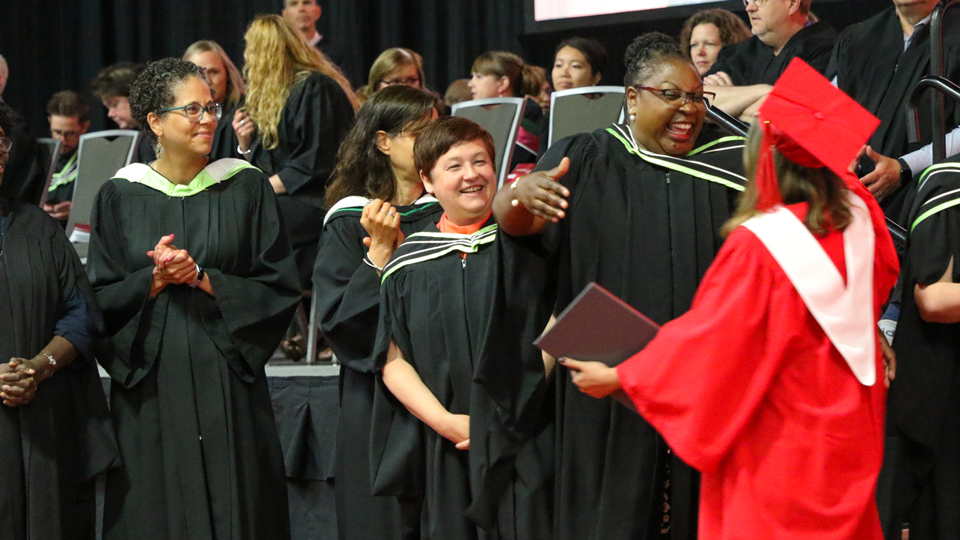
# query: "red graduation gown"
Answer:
x=747 y=388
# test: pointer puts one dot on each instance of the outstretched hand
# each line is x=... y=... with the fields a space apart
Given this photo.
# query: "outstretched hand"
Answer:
x=885 y=178
x=595 y=379
x=542 y=194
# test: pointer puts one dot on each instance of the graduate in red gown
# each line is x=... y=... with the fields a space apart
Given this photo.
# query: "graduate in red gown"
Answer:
x=772 y=385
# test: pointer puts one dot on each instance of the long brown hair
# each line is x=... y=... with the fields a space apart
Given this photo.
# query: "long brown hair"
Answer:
x=820 y=188
x=276 y=58
x=389 y=61
x=362 y=169
x=235 y=86
x=506 y=64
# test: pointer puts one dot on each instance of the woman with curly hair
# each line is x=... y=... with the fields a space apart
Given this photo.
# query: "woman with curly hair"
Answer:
x=394 y=66
x=376 y=199
x=226 y=86
x=299 y=106
x=194 y=273
x=706 y=32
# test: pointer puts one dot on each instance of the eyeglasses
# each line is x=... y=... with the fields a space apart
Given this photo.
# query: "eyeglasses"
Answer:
x=6 y=143
x=194 y=111
x=679 y=97
x=757 y=3
x=409 y=81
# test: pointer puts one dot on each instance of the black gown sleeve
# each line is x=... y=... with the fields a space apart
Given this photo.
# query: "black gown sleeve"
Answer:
x=317 y=110
x=256 y=308
x=347 y=294
x=133 y=322
x=397 y=443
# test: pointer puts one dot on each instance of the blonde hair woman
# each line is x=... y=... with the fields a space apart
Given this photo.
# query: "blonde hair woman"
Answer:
x=299 y=107
x=394 y=66
x=227 y=88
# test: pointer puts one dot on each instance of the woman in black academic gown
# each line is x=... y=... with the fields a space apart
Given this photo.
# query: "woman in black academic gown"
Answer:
x=376 y=198
x=637 y=209
x=55 y=433
x=194 y=273
x=227 y=88
x=301 y=107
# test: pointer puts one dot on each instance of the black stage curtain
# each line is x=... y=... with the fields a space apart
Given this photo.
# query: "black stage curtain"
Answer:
x=53 y=45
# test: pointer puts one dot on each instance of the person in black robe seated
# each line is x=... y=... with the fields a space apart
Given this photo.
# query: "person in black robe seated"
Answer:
x=923 y=414
x=197 y=283
x=55 y=432
x=498 y=74
x=636 y=209
x=477 y=455
x=112 y=87
x=375 y=198
x=300 y=107
x=744 y=73
x=227 y=88
x=68 y=115
x=878 y=62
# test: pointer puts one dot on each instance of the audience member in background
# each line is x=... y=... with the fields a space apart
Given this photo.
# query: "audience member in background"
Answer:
x=536 y=77
x=68 y=115
x=578 y=62
x=301 y=107
x=624 y=207
x=112 y=87
x=483 y=472
x=504 y=74
x=197 y=283
x=226 y=87
x=55 y=432
x=782 y=30
x=458 y=92
x=393 y=66
x=374 y=186
x=706 y=32
x=303 y=16
x=4 y=75
x=878 y=62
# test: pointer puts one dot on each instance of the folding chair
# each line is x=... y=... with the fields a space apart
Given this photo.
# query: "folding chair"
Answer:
x=583 y=110
x=49 y=150
x=501 y=117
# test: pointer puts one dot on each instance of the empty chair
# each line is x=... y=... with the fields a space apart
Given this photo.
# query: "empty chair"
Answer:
x=501 y=117
x=583 y=110
x=47 y=149
x=100 y=156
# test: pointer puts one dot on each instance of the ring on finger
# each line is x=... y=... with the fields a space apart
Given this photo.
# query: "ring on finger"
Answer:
x=391 y=213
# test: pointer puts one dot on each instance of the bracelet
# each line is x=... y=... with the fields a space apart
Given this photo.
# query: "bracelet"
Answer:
x=242 y=153
x=200 y=274
x=50 y=359
x=369 y=262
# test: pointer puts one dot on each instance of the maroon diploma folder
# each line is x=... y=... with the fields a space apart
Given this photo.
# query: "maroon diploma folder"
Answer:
x=597 y=326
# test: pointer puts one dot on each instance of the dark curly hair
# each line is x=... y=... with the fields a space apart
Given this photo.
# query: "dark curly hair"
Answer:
x=154 y=89
x=646 y=53
x=732 y=28
x=362 y=169
x=8 y=119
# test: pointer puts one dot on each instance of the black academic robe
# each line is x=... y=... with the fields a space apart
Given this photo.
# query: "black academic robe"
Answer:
x=225 y=140
x=52 y=447
x=872 y=67
x=924 y=399
x=315 y=118
x=646 y=227
x=347 y=296
x=753 y=62
x=438 y=307
x=189 y=399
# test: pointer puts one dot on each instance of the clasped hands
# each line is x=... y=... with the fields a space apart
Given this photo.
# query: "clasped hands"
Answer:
x=20 y=378
x=172 y=266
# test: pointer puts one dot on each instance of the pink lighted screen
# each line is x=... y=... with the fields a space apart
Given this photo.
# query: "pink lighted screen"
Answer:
x=545 y=10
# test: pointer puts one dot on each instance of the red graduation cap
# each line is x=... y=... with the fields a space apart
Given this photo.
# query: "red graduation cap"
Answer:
x=811 y=123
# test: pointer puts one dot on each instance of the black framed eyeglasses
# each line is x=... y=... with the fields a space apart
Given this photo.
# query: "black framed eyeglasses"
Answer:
x=678 y=97
x=195 y=111
x=758 y=3
x=6 y=143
